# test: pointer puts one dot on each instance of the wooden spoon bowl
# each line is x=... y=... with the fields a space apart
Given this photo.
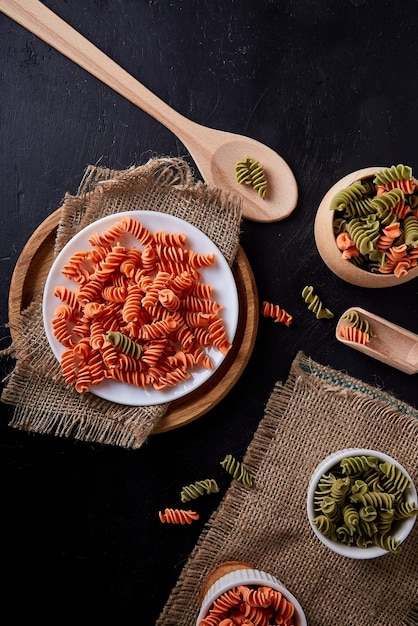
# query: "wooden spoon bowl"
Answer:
x=331 y=255
x=390 y=343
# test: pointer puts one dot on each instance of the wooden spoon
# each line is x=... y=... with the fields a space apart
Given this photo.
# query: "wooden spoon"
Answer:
x=215 y=152
x=392 y=344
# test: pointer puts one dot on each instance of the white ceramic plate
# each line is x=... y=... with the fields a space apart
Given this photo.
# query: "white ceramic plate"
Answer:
x=219 y=276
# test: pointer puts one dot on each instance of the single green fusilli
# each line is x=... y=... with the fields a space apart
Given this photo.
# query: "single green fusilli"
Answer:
x=358 y=321
x=351 y=516
x=339 y=490
x=365 y=233
x=198 y=488
x=251 y=173
x=347 y=196
x=387 y=542
x=377 y=499
x=360 y=208
x=384 y=521
x=357 y=464
x=330 y=508
x=125 y=344
x=388 y=200
x=368 y=513
x=410 y=225
x=394 y=477
x=315 y=304
x=237 y=470
x=405 y=509
x=325 y=526
x=393 y=173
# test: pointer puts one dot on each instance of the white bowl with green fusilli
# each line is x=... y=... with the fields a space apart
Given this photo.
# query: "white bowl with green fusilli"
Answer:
x=361 y=503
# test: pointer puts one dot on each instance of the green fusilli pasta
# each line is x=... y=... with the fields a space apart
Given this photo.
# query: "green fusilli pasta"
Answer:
x=388 y=200
x=351 y=516
x=325 y=526
x=357 y=464
x=375 y=221
x=391 y=174
x=411 y=230
x=393 y=477
x=125 y=344
x=198 y=488
x=347 y=196
x=237 y=470
x=315 y=304
x=378 y=499
x=365 y=233
x=368 y=513
x=387 y=542
x=384 y=521
x=405 y=509
x=359 y=502
x=249 y=172
x=358 y=321
x=330 y=508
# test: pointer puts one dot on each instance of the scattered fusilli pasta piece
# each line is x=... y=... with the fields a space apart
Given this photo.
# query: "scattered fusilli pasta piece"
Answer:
x=199 y=488
x=178 y=516
x=268 y=309
x=315 y=304
x=237 y=471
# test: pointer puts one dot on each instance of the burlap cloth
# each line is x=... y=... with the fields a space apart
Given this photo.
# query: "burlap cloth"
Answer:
x=43 y=402
x=316 y=412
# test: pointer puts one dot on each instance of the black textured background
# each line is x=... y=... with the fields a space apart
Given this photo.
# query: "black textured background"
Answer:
x=329 y=85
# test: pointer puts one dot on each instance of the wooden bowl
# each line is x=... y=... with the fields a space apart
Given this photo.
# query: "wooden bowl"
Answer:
x=331 y=255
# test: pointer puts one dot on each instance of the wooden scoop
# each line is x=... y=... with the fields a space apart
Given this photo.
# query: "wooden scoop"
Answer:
x=215 y=152
x=392 y=344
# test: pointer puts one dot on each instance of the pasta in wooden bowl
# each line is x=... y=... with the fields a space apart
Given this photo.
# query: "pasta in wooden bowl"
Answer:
x=366 y=227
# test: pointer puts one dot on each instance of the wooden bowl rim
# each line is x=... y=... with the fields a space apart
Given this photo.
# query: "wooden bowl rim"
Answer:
x=331 y=255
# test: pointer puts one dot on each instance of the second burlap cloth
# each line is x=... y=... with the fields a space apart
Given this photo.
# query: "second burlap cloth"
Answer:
x=43 y=402
x=316 y=412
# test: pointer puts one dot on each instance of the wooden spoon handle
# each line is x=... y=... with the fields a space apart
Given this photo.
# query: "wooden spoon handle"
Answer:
x=42 y=22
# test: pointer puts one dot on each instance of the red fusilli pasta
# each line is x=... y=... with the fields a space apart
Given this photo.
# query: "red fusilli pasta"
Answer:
x=350 y=333
x=178 y=516
x=153 y=296
x=274 y=311
x=250 y=605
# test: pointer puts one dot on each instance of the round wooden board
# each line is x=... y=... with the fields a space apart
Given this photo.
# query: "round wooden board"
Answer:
x=28 y=281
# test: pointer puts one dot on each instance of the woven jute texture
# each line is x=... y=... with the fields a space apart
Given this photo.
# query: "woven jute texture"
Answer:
x=43 y=402
x=317 y=411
